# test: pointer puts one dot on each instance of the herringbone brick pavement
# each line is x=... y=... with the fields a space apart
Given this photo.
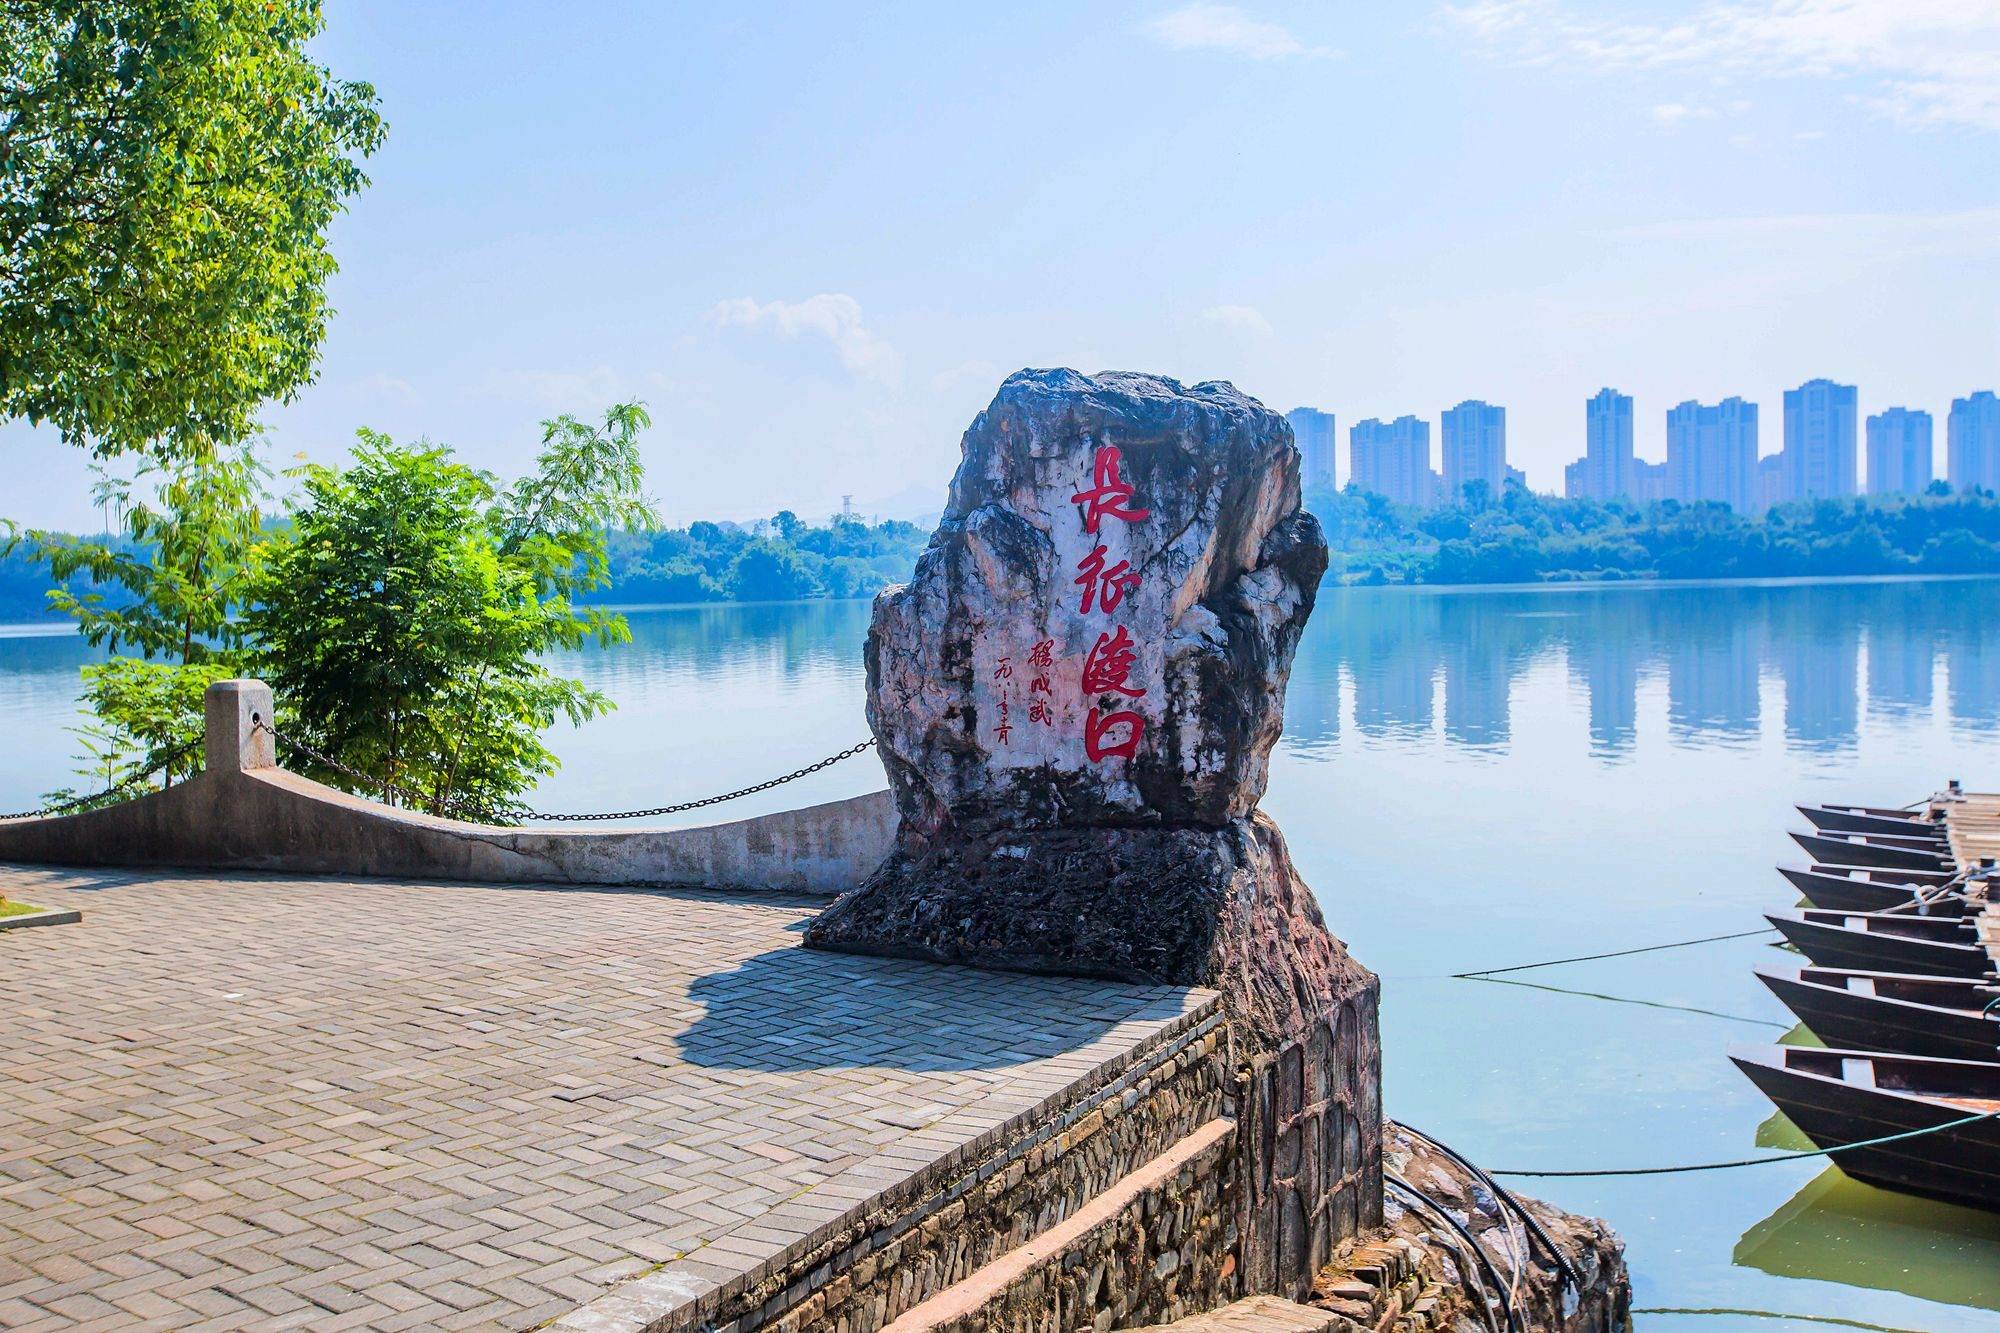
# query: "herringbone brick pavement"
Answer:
x=245 y=1102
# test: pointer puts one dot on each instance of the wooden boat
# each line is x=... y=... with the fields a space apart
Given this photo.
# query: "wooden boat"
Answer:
x=1867 y=819
x=1863 y=819
x=1896 y=1012
x=1862 y=849
x=1923 y=879
x=1885 y=942
x=1854 y=889
x=1838 y=1097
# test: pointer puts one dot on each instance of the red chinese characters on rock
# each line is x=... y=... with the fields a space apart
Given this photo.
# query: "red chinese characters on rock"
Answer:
x=1109 y=493
x=1107 y=665
x=1113 y=733
x=1104 y=586
x=1003 y=672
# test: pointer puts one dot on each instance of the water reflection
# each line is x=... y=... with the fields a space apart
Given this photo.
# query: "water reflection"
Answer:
x=1827 y=652
x=1840 y=1230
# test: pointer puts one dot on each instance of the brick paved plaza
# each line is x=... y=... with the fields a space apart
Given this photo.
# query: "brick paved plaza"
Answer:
x=247 y=1102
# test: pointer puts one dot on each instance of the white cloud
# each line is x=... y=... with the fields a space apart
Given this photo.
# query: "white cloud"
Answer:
x=1928 y=62
x=1670 y=115
x=1238 y=319
x=1225 y=28
x=832 y=317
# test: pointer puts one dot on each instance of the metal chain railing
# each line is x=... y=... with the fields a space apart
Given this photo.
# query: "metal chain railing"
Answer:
x=388 y=789
x=395 y=793
x=173 y=757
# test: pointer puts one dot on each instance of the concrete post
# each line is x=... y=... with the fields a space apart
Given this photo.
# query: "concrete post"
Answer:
x=233 y=742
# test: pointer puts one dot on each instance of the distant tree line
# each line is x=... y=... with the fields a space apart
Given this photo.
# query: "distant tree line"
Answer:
x=783 y=559
x=1521 y=537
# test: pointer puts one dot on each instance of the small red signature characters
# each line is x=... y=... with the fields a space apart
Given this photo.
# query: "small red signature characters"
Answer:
x=1109 y=493
x=1108 y=664
x=1100 y=738
x=1039 y=711
x=1003 y=670
x=1106 y=586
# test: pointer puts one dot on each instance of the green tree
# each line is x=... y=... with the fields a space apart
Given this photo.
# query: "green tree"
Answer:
x=403 y=615
x=772 y=572
x=177 y=579
x=168 y=169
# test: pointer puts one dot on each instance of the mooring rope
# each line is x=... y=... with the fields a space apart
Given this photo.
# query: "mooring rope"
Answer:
x=1755 y=1161
x=1617 y=953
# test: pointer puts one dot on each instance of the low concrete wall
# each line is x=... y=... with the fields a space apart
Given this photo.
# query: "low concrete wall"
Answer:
x=245 y=813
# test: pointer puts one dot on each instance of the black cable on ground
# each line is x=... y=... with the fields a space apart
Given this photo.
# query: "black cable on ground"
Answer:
x=1506 y=1198
x=1443 y=1214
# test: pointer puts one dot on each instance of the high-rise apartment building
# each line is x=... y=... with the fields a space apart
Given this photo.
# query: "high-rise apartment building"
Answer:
x=1899 y=452
x=1312 y=429
x=1712 y=453
x=1393 y=459
x=1972 y=442
x=1606 y=471
x=1770 y=481
x=1475 y=449
x=1820 y=453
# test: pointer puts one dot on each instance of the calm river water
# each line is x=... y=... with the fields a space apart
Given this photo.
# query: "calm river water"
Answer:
x=1472 y=778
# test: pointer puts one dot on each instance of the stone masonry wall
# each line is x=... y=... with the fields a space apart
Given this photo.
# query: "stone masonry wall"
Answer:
x=1169 y=1252
x=917 y=1242
x=1311 y=1139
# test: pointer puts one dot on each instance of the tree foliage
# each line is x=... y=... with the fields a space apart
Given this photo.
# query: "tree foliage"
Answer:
x=402 y=615
x=168 y=169
x=1524 y=538
x=168 y=588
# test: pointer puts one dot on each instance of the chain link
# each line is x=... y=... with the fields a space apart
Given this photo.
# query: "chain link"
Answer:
x=603 y=816
x=64 y=807
x=793 y=776
x=389 y=789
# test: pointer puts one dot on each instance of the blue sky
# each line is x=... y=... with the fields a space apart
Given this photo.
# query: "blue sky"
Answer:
x=815 y=238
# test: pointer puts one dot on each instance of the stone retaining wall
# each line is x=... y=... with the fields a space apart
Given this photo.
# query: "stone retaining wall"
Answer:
x=1157 y=1247
x=1312 y=1148
x=936 y=1229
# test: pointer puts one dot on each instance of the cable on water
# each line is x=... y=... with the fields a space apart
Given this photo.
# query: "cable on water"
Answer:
x=1730 y=1312
x=1617 y=953
x=1756 y=1161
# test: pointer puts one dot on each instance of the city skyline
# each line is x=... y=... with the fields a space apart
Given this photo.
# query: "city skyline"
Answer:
x=1714 y=451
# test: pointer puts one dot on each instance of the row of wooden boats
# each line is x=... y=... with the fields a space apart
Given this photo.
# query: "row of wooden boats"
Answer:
x=1903 y=994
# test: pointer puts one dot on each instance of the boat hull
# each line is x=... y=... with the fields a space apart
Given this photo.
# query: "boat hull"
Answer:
x=1837 y=945
x=1853 y=851
x=1843 y=893
x=1867 y=1022
x=1849 y=819
x=1960 y=1165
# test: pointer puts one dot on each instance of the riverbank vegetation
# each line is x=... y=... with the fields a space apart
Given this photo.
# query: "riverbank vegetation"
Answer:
x=1527 y=538
x=1524 y=538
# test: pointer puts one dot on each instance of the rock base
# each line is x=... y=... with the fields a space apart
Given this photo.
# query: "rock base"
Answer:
x=1409 y=1273
x=1218 y=907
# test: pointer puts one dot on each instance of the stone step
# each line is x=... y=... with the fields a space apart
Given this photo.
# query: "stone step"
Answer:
x=1259 y=1314
x=1137 y=1236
